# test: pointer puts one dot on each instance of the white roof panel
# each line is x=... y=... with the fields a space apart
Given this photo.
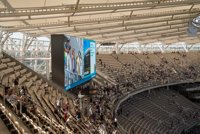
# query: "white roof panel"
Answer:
x=105 y=17
x=39 y=3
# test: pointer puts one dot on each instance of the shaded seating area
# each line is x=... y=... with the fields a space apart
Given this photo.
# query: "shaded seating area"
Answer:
x=159 y=111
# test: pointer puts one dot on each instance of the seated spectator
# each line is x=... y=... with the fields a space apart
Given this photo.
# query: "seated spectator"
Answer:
x=78 y=115
x=7 y=89
x=33 y=109
x=46 y=90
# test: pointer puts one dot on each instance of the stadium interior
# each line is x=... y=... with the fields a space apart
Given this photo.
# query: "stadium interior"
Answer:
x=147 y=67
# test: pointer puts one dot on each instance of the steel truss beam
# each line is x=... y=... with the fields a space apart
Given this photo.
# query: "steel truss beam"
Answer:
x=92 y=7
x=4 y=38
x=10 y=8
x=125 y=30
x=131 y=16
x=27 y=42
x=74 y=24
x=106 y=26
x=120 y=30
x=138 y=33
x=181 y=35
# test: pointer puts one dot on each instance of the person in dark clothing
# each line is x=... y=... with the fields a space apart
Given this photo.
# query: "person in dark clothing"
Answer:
x=102 y=117
x=16 y=81
x=24 y=108
x=78 y=115
x=33 y=109
x=6 y=88
x=115 y=122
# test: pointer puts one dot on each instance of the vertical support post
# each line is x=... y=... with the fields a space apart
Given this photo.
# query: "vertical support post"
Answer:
x=184 y=47
x=23 y=45
x=99 y=45
x=1 y=37
x=117 y=48
x=1 y=34
x=128 y=48
x=20 y=103
x=4 y=39
x=139 y=48
x=51 y=123
x=4 y=98
x=47 y=69
x=36 y=55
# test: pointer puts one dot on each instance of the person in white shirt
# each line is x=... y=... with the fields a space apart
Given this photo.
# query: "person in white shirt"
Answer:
x=73 y=66
x=68 y=67
x=79 y=65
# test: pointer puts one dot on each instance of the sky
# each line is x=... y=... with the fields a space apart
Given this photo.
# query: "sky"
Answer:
x=20 y=36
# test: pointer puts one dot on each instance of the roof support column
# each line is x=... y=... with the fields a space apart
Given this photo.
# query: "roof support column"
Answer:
x=48 y=63
x=191 y=47
x=116 y=48
x=119 y=48
x=49 y=48
x=36 y=55
x=48 y=69
x=191 y=7
x=184 y=47
x=27 y=41
x=1 y=36
x=22 y=45
x=4 y=38
x=139 y=48
x=161 y=49
x=98 y=47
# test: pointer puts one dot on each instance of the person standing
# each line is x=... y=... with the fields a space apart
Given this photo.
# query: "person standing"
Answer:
x=79 y=65
x=67 y=48
x=73 y=65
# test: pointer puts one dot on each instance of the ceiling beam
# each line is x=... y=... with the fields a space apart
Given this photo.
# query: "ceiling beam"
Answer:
x=76 y=7
x=10 y=8
x=179 y=35
x=126 y=32
x=93 y=8
x=106 y=20
x=109 y=25
x=139 y=36
x=117 y=28
x=7 y=5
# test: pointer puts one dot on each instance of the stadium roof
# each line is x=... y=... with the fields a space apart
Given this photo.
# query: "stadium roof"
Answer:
x=120 y=21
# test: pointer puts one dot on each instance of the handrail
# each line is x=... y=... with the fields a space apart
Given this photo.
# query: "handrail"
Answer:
x=16 y=126
x=52 y=120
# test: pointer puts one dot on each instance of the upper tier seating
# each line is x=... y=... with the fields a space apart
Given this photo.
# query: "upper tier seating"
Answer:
x=142 y=70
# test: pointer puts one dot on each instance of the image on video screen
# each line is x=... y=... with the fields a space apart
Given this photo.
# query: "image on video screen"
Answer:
x=79 y=60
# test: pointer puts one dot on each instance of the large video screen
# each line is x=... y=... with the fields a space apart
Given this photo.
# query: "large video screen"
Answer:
x=79 y=61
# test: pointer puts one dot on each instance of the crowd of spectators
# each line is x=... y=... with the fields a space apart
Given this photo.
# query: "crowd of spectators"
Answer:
x=17 y=96
x=98 y=114
x=130 y=76
x=98 y=110
x=134 y=74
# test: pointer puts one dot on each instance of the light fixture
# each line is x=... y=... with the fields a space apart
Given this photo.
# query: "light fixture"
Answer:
x=196 y=22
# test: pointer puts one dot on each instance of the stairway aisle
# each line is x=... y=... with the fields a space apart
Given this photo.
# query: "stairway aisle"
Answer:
x=3 y=128
x=16 y=118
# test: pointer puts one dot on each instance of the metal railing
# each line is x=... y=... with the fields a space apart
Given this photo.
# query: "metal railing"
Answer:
x=146 y=88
